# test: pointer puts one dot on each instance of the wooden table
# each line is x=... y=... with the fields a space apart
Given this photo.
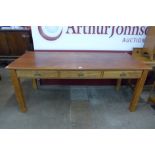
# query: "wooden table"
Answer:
x=77 y=65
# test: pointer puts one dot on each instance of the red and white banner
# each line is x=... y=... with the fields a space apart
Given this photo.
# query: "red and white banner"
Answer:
x=116 y=38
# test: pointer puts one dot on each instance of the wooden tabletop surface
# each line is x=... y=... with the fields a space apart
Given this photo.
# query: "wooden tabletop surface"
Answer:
x=77 y=60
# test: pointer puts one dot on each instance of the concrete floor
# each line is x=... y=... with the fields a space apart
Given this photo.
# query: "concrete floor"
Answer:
x=72 y=107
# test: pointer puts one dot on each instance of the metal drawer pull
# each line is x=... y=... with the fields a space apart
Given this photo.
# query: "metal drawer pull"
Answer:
x=80 y=74
x=123 y=75
x=37 y=74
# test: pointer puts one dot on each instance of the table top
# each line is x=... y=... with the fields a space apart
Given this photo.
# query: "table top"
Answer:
x=77 y=61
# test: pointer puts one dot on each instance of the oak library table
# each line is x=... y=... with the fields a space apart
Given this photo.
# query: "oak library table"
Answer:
x=77 y=65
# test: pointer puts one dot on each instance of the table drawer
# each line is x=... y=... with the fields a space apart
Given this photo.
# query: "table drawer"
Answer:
x=122 y=74
x=80 y=74
x=37 y=74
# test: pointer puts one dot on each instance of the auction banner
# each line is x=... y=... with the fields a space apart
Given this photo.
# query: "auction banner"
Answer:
x=113 y=38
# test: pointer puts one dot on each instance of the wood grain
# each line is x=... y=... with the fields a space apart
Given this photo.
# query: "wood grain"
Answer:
x=34 y=84
x=77 y=61
x=18 y=91
x=78 y=65
x=37 y=74
x=4 y=49
x=137 y=92
x=150 y=42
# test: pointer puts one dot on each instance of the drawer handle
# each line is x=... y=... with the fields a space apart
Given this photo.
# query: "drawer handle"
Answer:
x=37 y=74
x=123 y=75
x=80 y=74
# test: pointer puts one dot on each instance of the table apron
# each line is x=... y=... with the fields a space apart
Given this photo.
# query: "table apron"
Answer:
x=76 y=74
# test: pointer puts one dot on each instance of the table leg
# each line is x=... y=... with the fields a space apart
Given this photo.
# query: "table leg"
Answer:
x=137 y=92
x=151 y=97
x=34 y=84
x=118 y=84
x=18 y=91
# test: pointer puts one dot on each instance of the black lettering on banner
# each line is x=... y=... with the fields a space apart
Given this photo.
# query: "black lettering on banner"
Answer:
x=72 y=29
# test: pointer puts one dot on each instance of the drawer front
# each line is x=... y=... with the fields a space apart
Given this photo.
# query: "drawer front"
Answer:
x=80 y=74
x=122 y=74
x=37 y=74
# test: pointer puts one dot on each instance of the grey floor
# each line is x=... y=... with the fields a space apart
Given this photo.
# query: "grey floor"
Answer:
x=72 y=107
